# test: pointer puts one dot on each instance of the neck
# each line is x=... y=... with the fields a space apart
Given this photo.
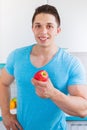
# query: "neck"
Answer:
x=45 y=50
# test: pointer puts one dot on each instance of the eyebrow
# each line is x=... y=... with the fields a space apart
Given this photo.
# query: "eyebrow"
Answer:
x=47 y=23
x=37 y=23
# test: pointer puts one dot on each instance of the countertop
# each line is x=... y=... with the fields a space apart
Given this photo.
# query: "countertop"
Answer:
x=75 y=118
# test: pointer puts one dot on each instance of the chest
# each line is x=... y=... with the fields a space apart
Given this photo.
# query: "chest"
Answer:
x=39 y=61
x=57 y=73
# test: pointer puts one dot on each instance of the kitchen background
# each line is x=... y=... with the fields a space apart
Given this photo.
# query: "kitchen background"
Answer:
x=15 y=29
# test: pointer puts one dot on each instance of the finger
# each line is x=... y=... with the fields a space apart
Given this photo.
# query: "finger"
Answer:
x=7 y=128
x=14 y=127
x=34 y=82
x=18 y=126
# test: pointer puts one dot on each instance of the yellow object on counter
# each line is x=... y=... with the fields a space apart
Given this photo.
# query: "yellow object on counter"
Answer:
x=13 y=103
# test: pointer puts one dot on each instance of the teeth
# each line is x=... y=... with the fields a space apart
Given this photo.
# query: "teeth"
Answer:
x=41 y=38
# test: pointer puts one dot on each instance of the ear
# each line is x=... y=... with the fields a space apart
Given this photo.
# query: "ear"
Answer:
x=58 y=30
x=32 y=28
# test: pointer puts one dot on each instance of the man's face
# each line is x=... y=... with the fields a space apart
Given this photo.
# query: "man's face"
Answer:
x=45 y=29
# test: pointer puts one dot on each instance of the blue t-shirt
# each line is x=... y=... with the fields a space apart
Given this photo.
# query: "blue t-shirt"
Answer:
x=34 y=112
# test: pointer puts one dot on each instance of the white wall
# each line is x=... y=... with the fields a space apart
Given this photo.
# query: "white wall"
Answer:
x=73 y=15
x=16 y=30
x=16 y=24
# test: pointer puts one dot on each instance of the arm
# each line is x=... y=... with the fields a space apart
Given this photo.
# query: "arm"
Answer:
x=8 y=119
x=5 y=82
x=74 y=104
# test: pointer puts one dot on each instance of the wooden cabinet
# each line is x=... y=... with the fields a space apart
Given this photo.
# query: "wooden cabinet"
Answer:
x=16 y=24
x=73 y=16
x=76 y=125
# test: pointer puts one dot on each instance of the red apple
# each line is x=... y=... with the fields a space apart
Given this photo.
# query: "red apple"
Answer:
x=41 y=75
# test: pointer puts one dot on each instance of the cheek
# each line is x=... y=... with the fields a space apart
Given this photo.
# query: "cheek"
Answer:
x=35 y=33
x=53 y=34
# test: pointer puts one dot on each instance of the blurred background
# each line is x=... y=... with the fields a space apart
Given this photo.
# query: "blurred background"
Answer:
x=16 y=31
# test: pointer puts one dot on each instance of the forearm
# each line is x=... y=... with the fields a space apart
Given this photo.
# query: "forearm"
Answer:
x=9 y=120
x=72 y=105
x=4 y=98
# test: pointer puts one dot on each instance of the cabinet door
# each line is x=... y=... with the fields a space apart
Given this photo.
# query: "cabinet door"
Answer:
x=76 y=125
x=82 y=127
x=73 y=16
x=2 y=126
x=16 y=24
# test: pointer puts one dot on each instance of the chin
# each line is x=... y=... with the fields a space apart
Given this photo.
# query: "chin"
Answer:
x=44 y=45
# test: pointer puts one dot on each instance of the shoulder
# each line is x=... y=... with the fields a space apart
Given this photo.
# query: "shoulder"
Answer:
x=71 y=62
x=20 y=51
x=68 y=58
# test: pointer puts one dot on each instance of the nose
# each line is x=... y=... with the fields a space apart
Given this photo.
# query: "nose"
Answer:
x=43 y=30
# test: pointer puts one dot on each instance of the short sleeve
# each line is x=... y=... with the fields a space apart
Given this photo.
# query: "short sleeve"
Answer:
x=77 y=74
x=10 y=63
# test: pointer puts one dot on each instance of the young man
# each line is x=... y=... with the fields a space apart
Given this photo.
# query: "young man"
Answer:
x=41 y=105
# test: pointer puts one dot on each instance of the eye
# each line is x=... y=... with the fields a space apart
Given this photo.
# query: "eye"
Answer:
x=37 y=26
x=49 y=26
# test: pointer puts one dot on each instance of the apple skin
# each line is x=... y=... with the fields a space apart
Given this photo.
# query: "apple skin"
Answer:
x=41 y=75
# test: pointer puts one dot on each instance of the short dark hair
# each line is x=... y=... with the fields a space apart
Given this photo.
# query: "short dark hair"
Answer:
x=48 y=9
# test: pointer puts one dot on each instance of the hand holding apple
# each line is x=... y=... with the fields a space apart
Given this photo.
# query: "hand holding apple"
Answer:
x=43 y=89
x=41 y=75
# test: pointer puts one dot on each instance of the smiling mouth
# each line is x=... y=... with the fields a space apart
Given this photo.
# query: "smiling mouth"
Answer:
x=43 y=38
